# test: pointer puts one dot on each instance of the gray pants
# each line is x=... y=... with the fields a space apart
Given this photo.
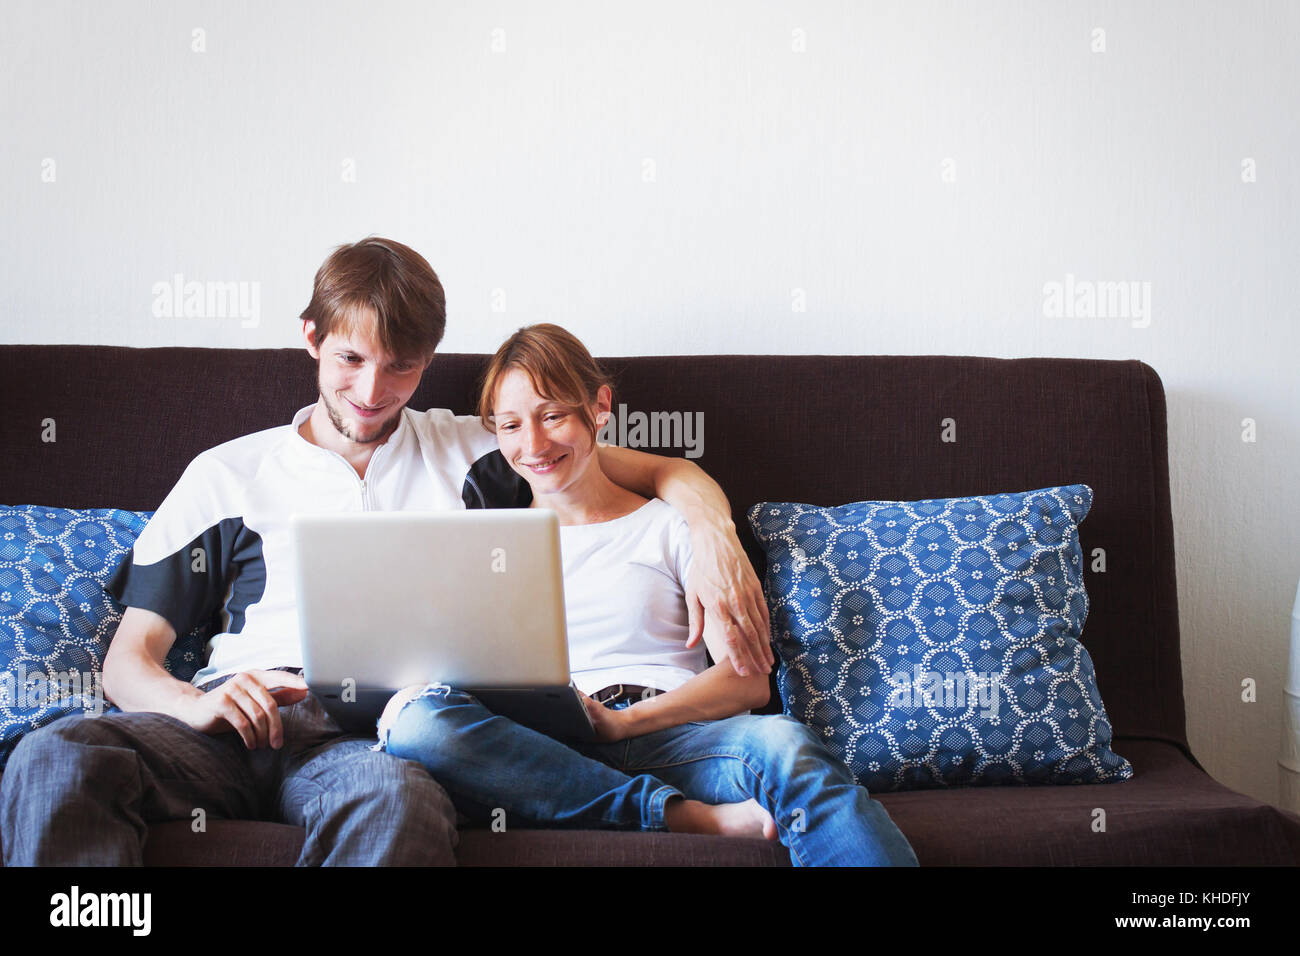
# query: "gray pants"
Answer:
x=83 y=790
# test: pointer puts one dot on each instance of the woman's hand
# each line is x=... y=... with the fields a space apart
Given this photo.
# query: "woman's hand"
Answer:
x=611 y=725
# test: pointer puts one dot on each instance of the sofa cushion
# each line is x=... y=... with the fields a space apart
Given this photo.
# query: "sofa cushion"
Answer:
x=1171 y=813
x=934 y=643
x=56 y=620
x=248 y=843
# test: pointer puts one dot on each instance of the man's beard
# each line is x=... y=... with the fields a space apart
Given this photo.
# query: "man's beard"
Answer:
x=382 y=429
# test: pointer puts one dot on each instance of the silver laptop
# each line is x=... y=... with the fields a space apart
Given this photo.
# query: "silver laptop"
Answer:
x=472 y=599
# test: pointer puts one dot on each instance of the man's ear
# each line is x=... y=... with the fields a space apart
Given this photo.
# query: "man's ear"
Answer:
x=309 y=334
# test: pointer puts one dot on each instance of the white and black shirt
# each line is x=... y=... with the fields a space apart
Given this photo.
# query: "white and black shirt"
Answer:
x=218 y=548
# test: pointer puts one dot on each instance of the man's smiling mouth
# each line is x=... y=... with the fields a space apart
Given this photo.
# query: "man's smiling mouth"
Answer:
x=365 y=412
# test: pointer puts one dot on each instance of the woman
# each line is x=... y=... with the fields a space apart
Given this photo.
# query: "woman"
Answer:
x=677 y=748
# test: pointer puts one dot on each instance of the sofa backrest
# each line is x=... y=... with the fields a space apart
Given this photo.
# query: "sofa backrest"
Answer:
x=820 y=429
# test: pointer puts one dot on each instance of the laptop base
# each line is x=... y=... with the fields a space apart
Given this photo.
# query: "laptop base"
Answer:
x=555 y=711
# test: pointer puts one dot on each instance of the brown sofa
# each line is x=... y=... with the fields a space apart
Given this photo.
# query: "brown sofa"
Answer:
x=820 y=429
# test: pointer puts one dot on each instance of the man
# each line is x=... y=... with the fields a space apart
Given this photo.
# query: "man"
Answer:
x=246 y=740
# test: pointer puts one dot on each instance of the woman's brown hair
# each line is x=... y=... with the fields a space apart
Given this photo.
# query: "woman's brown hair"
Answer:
x=556 y=362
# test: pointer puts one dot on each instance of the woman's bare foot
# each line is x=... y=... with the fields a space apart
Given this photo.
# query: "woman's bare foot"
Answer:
x=746 y=819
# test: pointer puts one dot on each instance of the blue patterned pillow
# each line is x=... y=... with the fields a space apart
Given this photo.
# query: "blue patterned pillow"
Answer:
x=56 y=619
x=936 y=643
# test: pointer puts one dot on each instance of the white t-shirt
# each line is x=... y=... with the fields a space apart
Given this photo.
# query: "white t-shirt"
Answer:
x=218 y=549
x=625 y=603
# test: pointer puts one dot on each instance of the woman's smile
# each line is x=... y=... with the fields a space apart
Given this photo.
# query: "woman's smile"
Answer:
x=545 y=466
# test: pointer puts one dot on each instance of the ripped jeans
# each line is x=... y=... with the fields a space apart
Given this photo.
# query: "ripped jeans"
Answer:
x=498 y=770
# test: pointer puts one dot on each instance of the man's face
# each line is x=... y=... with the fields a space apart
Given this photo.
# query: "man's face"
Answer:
x=364 y=389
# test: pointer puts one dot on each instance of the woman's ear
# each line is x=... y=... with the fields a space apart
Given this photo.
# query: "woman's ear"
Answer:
x=604 y=401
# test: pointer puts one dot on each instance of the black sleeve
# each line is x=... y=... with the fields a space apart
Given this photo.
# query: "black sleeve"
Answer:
x=189 y=586
x=491 y=483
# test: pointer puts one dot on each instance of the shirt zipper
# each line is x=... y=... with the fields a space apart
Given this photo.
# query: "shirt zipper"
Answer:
x=382 y=449
x=365 y=500
x=361 y=482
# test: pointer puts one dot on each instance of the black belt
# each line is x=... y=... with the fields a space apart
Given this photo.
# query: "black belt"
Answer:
x=616 y=693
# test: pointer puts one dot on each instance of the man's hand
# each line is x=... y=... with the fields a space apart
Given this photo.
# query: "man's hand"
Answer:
x=723 y=592
x=248 y=705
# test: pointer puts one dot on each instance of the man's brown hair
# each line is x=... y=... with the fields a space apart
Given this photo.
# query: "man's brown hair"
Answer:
x=556 y=362
x=388 y=280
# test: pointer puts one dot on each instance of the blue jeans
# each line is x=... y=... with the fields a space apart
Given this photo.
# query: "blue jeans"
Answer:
x=491 y=765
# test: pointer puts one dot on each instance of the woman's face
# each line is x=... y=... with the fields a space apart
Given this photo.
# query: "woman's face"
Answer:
x=545 y=441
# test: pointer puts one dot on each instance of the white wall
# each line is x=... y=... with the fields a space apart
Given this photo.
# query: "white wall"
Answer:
x=524 y=170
